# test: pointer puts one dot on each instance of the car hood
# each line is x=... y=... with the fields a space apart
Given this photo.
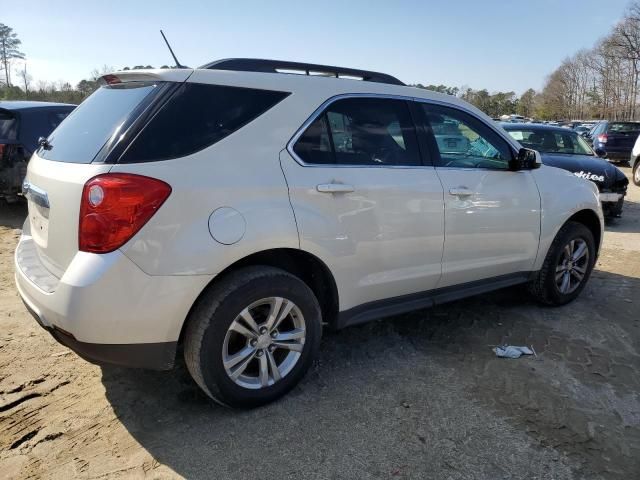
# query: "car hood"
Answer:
x=589 y=167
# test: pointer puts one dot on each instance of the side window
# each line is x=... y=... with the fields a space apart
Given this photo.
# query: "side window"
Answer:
x=361 y=131
x=314 y=146
x=598 y=129
x=463 y=141
x=197 y=116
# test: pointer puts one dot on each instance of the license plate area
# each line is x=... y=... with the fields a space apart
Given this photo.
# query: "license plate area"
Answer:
x=38 y=213
x=610 y=197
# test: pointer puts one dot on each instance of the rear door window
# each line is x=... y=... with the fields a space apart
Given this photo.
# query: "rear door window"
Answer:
x=197 y=116
x=361 y=131
x=101 y=116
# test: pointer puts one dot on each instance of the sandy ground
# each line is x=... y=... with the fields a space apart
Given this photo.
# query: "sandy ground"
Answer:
x=415 y=396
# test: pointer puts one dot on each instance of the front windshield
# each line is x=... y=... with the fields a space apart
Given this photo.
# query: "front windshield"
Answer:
x=552 y=141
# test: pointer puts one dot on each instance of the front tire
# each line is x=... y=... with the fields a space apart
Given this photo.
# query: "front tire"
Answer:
x=567 y=266
x=636 y=173
x=252 y=336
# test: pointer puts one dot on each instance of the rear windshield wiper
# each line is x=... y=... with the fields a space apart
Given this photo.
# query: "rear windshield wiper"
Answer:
x=44 y=143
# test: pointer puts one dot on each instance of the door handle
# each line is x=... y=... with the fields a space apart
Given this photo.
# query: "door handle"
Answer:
x=334 y=188
x=460 y=192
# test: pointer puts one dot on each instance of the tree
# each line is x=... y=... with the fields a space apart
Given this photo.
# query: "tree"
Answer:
x=525 y=103
x=9 y=44
x=25 y=77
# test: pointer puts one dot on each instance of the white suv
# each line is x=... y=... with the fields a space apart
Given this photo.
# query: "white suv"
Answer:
x=235 y=208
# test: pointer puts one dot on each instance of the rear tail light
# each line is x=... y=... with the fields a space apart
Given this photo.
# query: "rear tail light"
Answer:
x=602 y=138
x=114 y=207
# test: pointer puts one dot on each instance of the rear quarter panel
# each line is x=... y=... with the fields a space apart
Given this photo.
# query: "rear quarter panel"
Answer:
x=242 y=171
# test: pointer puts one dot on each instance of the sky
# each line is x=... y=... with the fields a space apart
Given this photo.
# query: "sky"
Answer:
x=492 y=44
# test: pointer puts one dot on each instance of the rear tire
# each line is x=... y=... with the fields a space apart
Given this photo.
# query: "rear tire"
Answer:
x=252 y=336
x=567 y=266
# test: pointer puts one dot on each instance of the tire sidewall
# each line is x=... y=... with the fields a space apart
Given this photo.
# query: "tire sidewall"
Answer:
x=212 y=368
x=574 y=231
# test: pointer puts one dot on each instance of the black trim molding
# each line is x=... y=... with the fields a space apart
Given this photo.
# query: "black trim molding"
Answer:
x=415 y=301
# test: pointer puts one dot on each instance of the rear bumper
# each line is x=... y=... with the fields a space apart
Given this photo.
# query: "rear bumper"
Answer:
x=106 y=309
x=152 y=356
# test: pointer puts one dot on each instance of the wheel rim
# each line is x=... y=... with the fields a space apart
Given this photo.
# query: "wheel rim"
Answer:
x=572 y=266
x=264 y=342
x=636 y=173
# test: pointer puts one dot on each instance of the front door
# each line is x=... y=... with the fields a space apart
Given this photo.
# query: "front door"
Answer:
x=492 y=214
x=364 y=202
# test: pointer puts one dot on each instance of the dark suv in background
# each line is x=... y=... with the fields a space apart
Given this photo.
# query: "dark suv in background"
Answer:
x=614 y=140
x=21 y=124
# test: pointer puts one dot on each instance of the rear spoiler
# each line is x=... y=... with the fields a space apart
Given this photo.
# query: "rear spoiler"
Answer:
x=177 y=75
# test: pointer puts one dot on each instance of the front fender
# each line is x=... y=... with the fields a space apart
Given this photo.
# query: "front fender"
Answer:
x=562 y=195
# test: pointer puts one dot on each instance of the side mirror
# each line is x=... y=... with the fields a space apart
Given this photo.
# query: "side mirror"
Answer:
x=526 y=159
x=600 y=152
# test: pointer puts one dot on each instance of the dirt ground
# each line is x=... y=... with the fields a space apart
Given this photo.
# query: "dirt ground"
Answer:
x=415 y=396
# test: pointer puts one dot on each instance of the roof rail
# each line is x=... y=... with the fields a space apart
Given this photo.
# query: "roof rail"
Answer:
x=282 y=66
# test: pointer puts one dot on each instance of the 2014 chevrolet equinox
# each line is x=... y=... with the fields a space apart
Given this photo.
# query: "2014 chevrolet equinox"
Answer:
x=236 y=208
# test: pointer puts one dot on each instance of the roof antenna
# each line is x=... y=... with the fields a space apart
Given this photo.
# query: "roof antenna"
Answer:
x=171 y=50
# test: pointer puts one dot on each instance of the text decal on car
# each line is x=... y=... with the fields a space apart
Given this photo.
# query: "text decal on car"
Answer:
x=589 y=176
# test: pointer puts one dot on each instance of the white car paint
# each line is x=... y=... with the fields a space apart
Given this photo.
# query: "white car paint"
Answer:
x=398 y=232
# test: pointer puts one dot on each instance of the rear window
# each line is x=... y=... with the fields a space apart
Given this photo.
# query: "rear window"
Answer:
x=83 y=134
x=8 y=126
x=198 y=116
x=624 y=127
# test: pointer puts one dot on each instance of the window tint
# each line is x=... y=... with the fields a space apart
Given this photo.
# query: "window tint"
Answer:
x=361 y=131
x=8 y=126
x=314 y=146
x=100 y=116
x=464 y=141
x=198 y=116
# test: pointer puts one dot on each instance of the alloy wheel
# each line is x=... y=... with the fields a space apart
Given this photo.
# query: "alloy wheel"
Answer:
x=572 y=266
x=263 y=343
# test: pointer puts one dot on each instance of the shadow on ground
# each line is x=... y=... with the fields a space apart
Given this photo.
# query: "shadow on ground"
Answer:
x=629 y=222
x=422 y=395
x=12 y=215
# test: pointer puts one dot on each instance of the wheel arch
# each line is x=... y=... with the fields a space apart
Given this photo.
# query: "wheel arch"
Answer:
x=591 y=220
x=304 y=265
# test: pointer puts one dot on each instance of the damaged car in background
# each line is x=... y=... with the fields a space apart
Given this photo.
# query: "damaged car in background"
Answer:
x=21 y=124
x=566 y=149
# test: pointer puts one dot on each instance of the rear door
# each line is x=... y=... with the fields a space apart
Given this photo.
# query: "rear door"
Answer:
x=492 y=214
x=364 y=201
